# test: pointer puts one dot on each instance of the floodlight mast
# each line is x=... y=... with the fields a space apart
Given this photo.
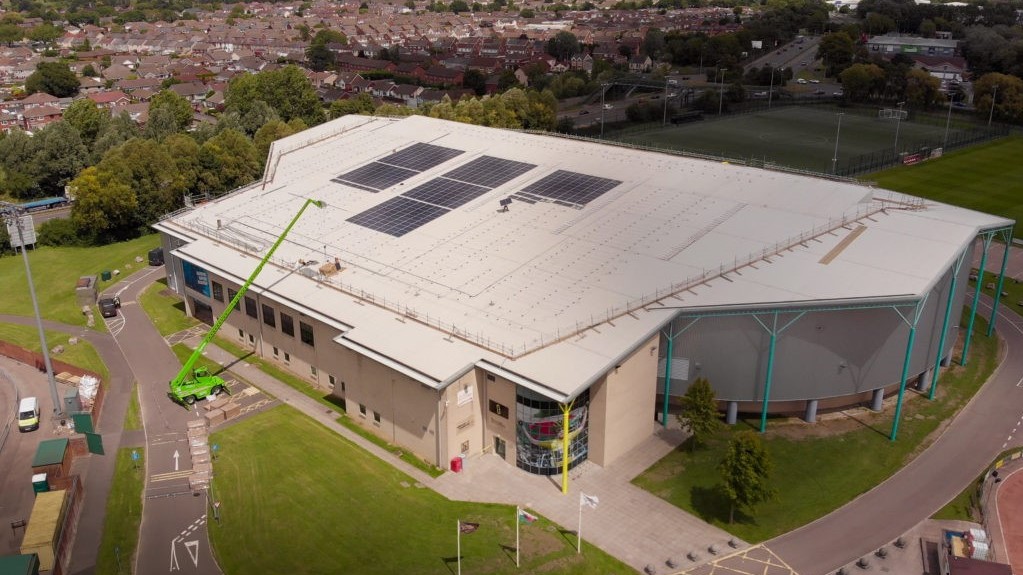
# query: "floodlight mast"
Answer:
x=188 y=385
x=12 y=213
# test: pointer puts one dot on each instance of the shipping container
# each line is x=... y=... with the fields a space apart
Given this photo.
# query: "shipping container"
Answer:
x=42 y=534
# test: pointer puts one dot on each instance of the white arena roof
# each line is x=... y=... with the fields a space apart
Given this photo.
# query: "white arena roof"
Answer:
x=580 y=268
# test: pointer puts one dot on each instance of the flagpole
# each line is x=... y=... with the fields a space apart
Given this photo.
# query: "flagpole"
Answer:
x=517 y=521
x=579 y=531
x=458 y=530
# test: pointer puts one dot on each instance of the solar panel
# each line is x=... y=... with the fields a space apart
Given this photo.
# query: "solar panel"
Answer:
x=420 y=157
x=447 y=193
x=374 y=177
x=398 y=216
x=489 y=171
x=571 y=187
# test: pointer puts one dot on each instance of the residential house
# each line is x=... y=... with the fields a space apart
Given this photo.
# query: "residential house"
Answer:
x=442 y=76
x=38 y=116
x=110 y=99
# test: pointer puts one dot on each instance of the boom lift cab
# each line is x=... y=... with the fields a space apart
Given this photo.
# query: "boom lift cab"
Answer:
x=191 y=384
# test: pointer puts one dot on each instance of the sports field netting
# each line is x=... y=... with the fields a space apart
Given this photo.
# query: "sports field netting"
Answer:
x=800 y=137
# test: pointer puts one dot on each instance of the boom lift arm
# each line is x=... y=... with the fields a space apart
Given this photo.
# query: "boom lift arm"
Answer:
x=189 y=384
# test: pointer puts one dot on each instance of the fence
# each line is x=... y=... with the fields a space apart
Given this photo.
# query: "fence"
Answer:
x=957 y=139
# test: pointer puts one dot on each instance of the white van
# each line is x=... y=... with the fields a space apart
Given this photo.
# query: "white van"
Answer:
x=28 y=414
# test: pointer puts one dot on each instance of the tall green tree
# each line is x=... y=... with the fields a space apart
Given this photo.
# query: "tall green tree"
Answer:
x=227 y=161
x=115 y=132
x=267 y=134
x=746 y=472
x=59 y=149
x=318 y=55
x=54 y=78
x=699 y=414
x=860 y=81
x=563 y=45
x=149 y=170
x=88 y=118
x=104 y=208
x=18 y=171
x=178 y=105
x=286 y=90
x=361 y=104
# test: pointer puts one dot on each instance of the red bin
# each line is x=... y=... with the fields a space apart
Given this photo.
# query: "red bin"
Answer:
x=456 y=464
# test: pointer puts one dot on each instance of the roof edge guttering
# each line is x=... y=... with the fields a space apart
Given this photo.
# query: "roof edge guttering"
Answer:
x=389 y=362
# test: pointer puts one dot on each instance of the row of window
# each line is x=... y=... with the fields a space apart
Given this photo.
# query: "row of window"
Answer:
x=269 y=317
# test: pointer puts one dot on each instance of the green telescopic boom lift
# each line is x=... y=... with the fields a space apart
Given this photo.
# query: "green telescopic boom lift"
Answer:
x=191 y=384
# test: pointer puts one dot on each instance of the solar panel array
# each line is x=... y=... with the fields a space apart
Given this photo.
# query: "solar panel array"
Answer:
x=397 y=167
x=430 y=200
x=571 y=188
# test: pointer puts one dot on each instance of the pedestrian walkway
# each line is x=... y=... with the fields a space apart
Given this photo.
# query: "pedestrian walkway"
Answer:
x=629 y=523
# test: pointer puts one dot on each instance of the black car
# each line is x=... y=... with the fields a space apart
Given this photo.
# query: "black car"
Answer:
x=108 y=306
x=156 y=257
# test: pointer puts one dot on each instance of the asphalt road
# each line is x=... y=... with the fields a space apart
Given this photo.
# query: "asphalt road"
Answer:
x=173 y=533
x=984 y=428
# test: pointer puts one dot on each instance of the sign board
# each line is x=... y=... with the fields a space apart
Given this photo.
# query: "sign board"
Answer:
x=28 y=232
x=464 y=395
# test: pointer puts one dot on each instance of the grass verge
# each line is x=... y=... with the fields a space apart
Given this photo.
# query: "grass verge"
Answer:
x=123 y=516
x=133 y=417
x=965 y=505
x=846 y=462
x=82 y=354
x=165 y=309
x=344 y=511
x=55 y=272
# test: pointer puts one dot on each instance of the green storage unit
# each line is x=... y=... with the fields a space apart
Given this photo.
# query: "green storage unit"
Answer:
x=19 y=564
x=105 y=275
x=39 y=483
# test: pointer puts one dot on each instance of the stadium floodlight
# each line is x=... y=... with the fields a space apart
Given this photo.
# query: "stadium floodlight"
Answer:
x=838 y=132
x=898 y=123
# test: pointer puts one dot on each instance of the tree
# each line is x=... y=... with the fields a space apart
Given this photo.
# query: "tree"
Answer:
x=286 y=90
x=54 y=78
x=1006 y=92
x=149 y=170
x=475 y=80
x=859 y=81
x=46 y=33
x=318 y=55
x=837 y=50
x=699 y=415
x=745 y=472
x=922 y=89
x=267 y=134
x=10 y=33
x=457 y=6
x=563 y=45
x=18 y=170
x=89 y=72
x=361 y=104
x=178 y=105
x=104 y=207
x=227 y=161
x=117 y=130
x=86 y=117
x=59 y=149
x=653 y=43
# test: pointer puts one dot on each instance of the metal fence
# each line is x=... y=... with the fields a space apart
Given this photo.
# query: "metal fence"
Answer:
x=920 y=150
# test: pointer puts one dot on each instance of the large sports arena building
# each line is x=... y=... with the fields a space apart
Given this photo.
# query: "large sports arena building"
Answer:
x=464 y=285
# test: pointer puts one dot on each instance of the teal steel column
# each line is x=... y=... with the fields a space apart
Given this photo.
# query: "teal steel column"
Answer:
x=770 y=373
x=944 y=325
x=905 y=373
x=976 y=299
x=1001 y=280
x=667 y=379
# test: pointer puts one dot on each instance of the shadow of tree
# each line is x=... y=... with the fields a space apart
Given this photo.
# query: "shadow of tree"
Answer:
x=711 y=504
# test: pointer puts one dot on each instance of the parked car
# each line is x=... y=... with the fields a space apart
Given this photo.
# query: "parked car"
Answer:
x=108 y=306
x=801 y=81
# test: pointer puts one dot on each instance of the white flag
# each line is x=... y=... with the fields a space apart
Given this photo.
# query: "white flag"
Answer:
x=590 y=501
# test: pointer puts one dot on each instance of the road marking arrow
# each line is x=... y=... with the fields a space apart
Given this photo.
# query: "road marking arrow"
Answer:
x=193 y=550
x=176 y=455
x=174 y=556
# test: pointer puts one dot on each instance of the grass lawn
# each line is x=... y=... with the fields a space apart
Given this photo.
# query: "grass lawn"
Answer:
x=801 y=137
x=296 y=498
x=987 y=178
x=55 y=272
x=846 y=462
x=81 y=355
x=123 y=516
x=133 y=417
x=165 y=309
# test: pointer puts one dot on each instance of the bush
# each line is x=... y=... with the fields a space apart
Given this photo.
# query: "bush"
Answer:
x=59 y=232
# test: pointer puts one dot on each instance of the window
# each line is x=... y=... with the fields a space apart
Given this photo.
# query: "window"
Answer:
x=498 y=409
x=250 y=307
x=306 y=332
x=342 y=386
x=333 y=382
x=276 y=351
x=218 y=292
x=230 y=296
x=252 y=340
x=268 y=316
x=465 y=447
x=287 y=325
x=312 y=370
x=376 y=416
x=241 y=334
x=287 y=357
x=490 y=377
x=362 y=409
